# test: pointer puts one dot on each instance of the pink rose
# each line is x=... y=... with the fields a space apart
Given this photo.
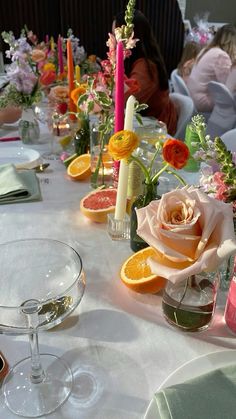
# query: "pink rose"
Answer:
x=190 y=231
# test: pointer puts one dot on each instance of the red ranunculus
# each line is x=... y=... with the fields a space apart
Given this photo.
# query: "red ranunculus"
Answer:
x=176 y=153
x=48 y=77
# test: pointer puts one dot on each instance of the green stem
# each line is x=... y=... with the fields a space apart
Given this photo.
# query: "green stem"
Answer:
x=156 y=176
x=177 y=177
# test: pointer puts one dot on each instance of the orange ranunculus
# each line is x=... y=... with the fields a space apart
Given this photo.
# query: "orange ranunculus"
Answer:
x=122 y=144
x=38 y=55
x=48 y=77
x=76 y=93
x=176 y=153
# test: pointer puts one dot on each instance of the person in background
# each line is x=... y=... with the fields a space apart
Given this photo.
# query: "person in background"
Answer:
x=212 y=64
x=231 y=79
x=9 y=115
x=145 y=65
x=190 y=52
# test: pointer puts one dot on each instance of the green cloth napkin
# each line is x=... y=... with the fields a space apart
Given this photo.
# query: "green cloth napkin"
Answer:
x=209 y=396
x=18 y=186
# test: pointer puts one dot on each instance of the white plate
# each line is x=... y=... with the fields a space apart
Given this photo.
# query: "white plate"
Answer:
x=192 y=369
x=21 y=157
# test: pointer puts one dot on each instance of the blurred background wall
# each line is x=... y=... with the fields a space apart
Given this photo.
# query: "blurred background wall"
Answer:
x=219 y=10
x=91 y=20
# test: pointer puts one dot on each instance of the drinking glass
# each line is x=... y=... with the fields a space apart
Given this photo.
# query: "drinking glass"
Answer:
x=58 y=125
x=42 y=281
x=150 y=134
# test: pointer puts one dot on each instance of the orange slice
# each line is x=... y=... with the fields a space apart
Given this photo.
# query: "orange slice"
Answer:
x=79 y=168
x=136 y=273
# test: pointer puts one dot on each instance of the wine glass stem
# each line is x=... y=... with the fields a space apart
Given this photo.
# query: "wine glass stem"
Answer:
x=37 y=373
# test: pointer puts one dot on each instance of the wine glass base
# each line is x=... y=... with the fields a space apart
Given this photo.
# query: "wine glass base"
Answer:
x=27 y=399
x=51 y=156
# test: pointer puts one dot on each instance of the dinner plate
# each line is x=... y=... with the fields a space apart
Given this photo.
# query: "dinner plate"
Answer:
x=21 y=157
x=192 y=369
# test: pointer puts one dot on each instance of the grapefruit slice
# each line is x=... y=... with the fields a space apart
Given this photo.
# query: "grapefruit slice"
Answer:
x=97 y=204
x=136 y=274
x=79 y=168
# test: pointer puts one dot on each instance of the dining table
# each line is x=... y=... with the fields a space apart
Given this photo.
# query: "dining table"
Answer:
x=117 y=342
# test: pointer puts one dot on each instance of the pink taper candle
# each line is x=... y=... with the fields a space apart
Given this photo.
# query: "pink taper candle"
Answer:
x=60 y=55
x=119 y=88
x=119 y=101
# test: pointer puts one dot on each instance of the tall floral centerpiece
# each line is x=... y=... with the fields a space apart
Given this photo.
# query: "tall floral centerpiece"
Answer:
x=98 y=97
x=23 y=89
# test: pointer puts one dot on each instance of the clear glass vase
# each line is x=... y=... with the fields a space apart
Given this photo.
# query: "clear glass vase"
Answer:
x=189 y=305
x=101 y=161
x=29 y=131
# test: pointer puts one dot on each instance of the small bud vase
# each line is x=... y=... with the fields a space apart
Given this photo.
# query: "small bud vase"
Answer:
x=189 y=305
x=29 y=131
x=101 y=161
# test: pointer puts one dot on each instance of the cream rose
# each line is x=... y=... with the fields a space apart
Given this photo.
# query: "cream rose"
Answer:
x=190 y=231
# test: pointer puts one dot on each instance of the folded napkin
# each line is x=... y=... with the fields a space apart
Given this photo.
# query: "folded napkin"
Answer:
x=209 y=396
x=18 y=186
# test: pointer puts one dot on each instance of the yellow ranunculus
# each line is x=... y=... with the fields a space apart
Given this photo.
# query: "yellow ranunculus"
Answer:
x=122 y=144
x=49 y=66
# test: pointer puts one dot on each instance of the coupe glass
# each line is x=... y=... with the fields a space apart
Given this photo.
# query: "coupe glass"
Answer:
x=42 y=281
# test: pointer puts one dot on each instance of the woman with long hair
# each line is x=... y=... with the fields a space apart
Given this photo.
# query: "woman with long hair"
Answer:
x=146 y=66
x=212 y=64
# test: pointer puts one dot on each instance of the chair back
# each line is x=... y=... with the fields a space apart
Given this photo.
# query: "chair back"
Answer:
x=229 y=138
x=178 y=83
x=185 y=110
x=223 y=115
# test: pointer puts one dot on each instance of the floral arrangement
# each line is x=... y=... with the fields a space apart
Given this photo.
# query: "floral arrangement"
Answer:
x=174 y=154
x=97 y=96
x=219 y=177
x=190 y=231
x=88 y=64
x=23 y=89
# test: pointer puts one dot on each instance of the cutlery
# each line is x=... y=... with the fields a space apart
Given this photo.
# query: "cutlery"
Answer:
x=38 y=169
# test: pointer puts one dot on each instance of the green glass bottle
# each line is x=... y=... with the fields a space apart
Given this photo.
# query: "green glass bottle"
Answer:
x=149 y=194
x=82 y=137
x=192 y=141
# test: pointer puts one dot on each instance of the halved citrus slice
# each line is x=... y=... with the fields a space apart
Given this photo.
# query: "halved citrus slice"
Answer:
x=136 y=273
x=97 y=204
x=79 y=168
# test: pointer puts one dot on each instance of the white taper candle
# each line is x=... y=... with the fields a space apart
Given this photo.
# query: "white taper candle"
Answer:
x=124 y=167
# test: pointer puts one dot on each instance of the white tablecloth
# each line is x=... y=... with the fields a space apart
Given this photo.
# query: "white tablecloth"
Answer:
x=117 y=342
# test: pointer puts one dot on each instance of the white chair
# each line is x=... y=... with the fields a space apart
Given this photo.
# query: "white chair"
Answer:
x=223 y=115
x=229 y=139
x=178 y=83
x=185 y=110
